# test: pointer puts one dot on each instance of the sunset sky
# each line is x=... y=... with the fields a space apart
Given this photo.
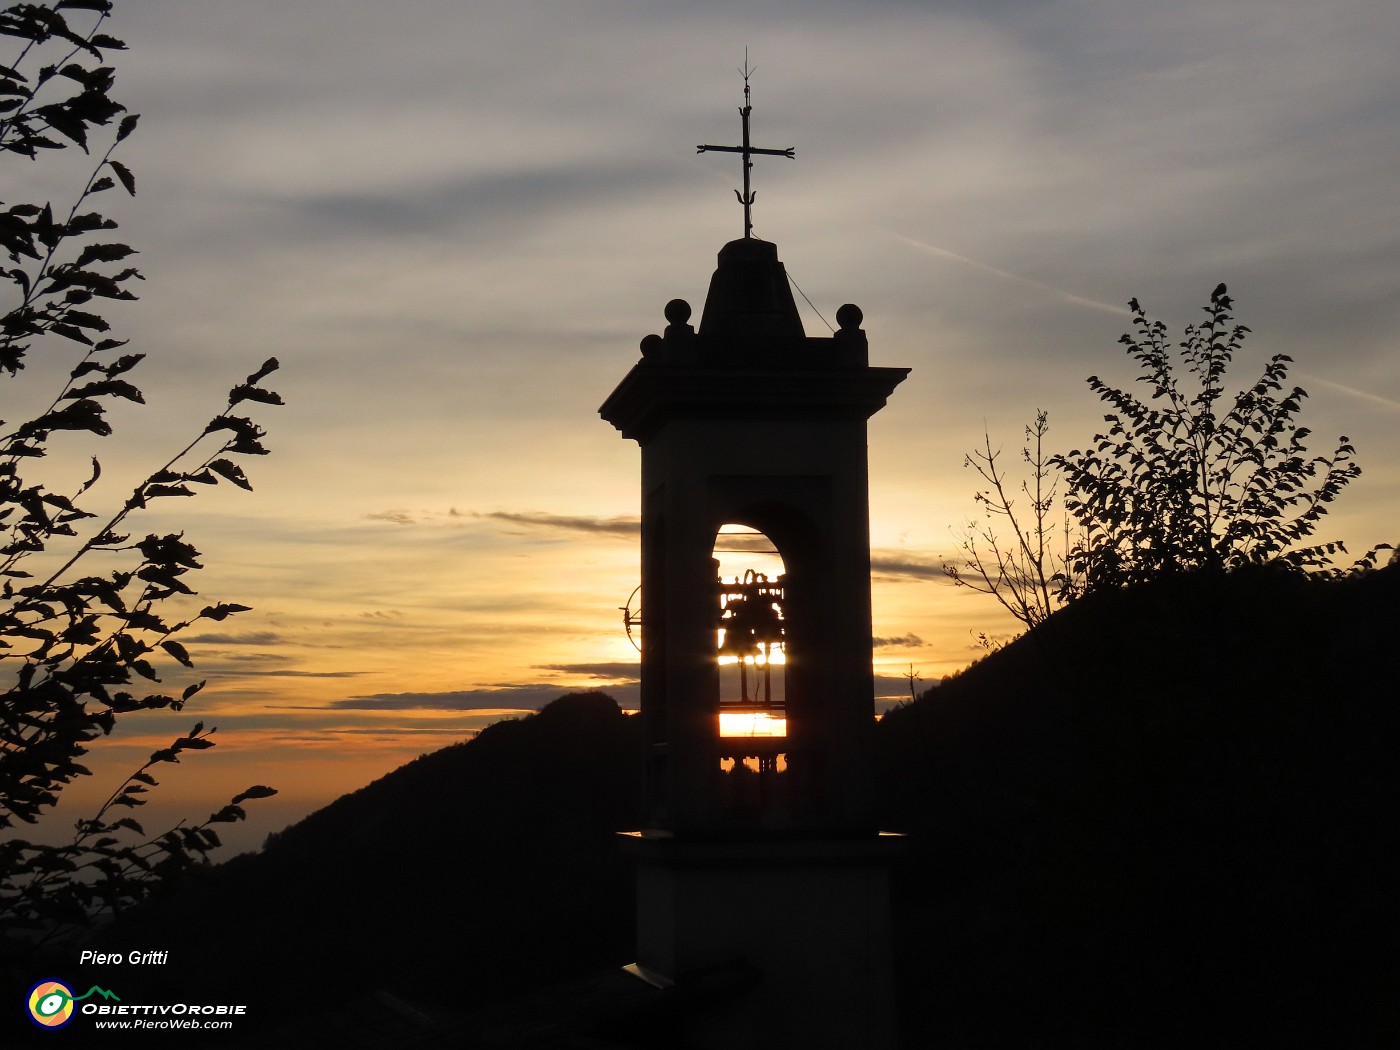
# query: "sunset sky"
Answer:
x=453 y=223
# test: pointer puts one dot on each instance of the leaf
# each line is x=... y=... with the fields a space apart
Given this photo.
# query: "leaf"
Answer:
x=87 y=223
x=169 y=550
x=144 y=619
x=178 y=651
x=268 y=367
x=123 y=172
x=20 y=277
x=256 y=791
x=127 y=126
x=82 y=319
x=125 y=363
x=247 y=392
x=69 y=332
x=167 y=490
x=96 y=473
x=222 y=611
x=59 y=116
x=103 y=253
x=232 y=471
x=112 y=387
x=84 y=414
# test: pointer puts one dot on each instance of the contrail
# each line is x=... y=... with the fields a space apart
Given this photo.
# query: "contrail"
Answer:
x=1384 y=402
x=1058 y=293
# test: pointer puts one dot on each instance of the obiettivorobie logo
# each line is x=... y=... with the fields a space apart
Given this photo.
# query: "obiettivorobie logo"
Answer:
x=51 y=1002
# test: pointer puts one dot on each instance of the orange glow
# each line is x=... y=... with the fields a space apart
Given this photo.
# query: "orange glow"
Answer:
x=775 y=657
x=751 y=723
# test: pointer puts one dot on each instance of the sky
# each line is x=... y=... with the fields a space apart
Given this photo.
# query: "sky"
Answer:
x=453 y=223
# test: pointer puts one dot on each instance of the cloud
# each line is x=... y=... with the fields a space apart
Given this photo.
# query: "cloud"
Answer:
x=892 y=567
x=743 y=542
x=246 y=638
x=1029 y=282
x=616 y=526
x=891 y=689
x=1360 y=395
x=903 y=641
x=240 y=673
x=396 y=517
x=378 y=732
x=607 y=671
x=491 y=698
x=516 y=699
x=492 y=203
x=607 y=526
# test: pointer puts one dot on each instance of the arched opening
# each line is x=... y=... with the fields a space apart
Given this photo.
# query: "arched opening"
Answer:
x=751 y=650
x=750 y=640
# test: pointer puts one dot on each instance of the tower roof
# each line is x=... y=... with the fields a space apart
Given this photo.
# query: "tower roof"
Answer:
x=750 y=299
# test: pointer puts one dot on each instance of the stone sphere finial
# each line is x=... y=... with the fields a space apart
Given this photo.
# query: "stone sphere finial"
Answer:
x=849 y=317
x=678 y=311
x=651 y=346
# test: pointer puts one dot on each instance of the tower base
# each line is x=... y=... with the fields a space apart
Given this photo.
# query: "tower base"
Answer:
x=811 y=919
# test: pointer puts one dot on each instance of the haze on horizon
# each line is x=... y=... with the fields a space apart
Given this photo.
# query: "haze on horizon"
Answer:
x=453 y=225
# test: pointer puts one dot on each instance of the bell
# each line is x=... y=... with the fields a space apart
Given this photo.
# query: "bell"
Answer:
x=751 y=618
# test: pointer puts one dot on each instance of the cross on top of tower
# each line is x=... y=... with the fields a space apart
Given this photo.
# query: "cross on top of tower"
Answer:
x=746 y=198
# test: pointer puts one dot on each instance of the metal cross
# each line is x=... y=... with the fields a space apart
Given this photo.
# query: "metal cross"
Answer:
x=747 y=197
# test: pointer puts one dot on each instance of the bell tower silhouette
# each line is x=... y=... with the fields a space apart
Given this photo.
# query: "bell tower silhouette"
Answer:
x=761 y=853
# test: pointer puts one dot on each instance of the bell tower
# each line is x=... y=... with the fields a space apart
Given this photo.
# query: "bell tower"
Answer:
x=748 y=421
x=761 y=849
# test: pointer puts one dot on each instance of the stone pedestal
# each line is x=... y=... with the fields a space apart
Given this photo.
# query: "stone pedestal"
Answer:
x=811 y=918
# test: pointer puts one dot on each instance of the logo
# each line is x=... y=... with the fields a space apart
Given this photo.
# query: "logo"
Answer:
x=51 y=1002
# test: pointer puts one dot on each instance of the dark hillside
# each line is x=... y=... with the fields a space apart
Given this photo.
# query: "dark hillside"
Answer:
x=1166 y=819
x=488 y=867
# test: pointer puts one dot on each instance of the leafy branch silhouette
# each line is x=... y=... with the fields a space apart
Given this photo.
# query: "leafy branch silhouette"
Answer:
x=1186 y=479
x=1190 y=479
x=76 y=639
x=1027 y=572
